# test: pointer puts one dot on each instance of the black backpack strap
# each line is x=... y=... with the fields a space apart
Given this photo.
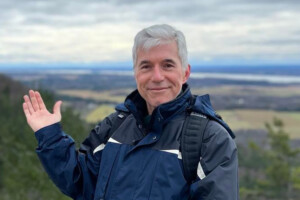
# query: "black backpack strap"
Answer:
x=191 y=142
x=117 y=121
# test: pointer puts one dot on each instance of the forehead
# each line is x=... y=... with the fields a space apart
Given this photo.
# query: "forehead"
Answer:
x=159 y=52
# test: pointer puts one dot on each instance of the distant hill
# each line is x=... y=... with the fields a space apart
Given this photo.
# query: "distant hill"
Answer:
x=288 y=70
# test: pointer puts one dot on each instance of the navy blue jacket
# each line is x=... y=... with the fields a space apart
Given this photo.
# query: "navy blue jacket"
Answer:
x=139 y=161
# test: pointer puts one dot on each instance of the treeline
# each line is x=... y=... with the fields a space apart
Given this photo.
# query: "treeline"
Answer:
x=268 y=172
x=21 y=175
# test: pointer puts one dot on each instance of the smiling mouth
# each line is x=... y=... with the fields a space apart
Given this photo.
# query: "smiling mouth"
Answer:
x=158 y=89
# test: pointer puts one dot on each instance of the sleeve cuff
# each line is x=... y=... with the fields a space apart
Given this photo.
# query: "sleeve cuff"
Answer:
x=46 y=134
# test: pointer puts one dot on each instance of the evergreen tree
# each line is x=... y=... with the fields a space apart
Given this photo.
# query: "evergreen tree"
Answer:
x=276 y=168
x=281 y=162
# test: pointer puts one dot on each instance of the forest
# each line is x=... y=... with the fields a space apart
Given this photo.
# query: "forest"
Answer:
x=269 y=167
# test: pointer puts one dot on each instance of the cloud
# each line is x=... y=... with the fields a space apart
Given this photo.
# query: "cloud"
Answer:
x=96 y=31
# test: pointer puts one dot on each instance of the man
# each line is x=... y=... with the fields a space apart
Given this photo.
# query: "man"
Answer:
x=141 y=157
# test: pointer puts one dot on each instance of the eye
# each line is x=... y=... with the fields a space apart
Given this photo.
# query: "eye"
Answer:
x=168 y=65
x=145 y=67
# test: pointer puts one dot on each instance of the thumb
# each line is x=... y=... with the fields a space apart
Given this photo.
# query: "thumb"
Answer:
x=56 y=108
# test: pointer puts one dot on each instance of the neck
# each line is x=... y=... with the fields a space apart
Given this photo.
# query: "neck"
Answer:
x=150 y=109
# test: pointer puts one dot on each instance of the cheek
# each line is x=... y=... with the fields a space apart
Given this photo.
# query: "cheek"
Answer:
x=141 y=79
x=139 y=83
x=137 y=79
x=178 y=80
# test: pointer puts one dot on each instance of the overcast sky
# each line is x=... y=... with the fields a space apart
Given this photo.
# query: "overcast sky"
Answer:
x=98 y=31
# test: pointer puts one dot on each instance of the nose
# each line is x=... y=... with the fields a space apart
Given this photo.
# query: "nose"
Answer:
x=157 y=75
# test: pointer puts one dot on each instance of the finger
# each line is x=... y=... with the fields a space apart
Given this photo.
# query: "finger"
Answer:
x=26 y=110
x=28 y=103
x=56 y=108
x=34 y=102
x=40 y=100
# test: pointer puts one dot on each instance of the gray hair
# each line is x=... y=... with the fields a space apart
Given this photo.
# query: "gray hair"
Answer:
x=160 y=34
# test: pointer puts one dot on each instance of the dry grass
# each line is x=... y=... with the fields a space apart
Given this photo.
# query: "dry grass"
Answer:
x=99 y=113
x=256 y=119
x=111 y=95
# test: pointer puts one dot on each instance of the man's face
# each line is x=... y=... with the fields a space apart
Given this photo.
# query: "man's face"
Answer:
x=159 y=74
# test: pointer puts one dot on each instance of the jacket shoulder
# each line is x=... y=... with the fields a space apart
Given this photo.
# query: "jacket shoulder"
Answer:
x=203 y=105
x=217 y=130
x=99 y=134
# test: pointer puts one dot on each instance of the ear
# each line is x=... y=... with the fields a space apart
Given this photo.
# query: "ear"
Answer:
x=187 y=73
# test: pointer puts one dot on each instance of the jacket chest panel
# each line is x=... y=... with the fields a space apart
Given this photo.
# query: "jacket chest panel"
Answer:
x=138 y=173
x=135 y=163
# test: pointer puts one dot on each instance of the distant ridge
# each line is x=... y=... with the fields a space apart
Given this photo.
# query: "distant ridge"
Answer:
x=14 y=89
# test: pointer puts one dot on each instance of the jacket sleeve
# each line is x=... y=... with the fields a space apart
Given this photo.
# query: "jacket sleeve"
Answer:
x=73 y=171
x=218 y=166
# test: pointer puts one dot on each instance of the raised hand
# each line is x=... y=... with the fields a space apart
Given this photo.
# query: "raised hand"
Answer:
x=36 y=112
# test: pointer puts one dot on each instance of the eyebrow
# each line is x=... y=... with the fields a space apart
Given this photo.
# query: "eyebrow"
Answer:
x=143 y=62
x=165 y=60
x=169 y=61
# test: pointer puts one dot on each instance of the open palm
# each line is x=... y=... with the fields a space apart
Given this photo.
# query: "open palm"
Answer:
x=36 y=112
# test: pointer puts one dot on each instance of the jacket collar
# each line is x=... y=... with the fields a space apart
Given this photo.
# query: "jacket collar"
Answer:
x=161 y=114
